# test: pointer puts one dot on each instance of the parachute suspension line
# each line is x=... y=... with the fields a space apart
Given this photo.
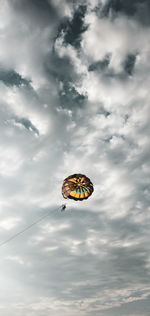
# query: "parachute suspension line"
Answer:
x=28 y=227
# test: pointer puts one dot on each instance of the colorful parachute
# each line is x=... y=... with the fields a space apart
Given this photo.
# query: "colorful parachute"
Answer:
x=77 y=187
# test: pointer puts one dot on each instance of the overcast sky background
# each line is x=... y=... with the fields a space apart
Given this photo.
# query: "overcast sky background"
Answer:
x=74 y=98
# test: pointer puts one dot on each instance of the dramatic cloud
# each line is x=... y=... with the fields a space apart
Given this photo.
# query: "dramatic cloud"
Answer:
x=74 y=92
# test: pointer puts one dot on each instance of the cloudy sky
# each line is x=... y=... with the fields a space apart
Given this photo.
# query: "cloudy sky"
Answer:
x=74 y=98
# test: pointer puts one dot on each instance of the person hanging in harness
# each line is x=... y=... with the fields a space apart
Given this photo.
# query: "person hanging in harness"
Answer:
x=63 y=207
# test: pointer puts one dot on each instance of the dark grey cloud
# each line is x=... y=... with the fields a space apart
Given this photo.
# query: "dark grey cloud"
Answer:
x=127 y=7
x=10 y=77
x=137 y=9
x=100 y=65
x=129 y=64
x=74 y=28
x=27 y=124
x=70 y=98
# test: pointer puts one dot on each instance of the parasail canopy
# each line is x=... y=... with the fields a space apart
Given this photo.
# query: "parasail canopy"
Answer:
x=77 y=187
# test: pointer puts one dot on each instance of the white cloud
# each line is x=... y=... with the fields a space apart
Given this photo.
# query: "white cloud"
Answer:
x=9 y=223
x=67 y=263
